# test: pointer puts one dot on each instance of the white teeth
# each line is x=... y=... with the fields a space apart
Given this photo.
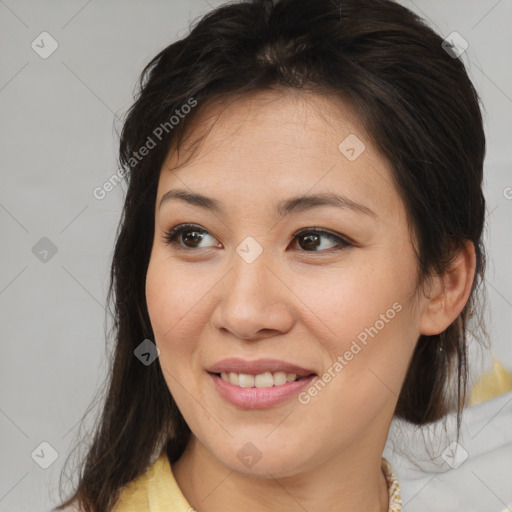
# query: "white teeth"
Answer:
x=245 y=381
x=262 y=380
x=280 y=378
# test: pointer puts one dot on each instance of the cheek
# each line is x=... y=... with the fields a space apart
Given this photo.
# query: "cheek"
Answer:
x=349 y=300
x=368 y=325
x=170 y=295
x=367 y=359
x=178 y=310
x=177 y=317
x=168 y=301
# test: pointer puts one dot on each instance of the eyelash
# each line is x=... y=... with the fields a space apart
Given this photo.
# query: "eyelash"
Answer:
x=171 y=235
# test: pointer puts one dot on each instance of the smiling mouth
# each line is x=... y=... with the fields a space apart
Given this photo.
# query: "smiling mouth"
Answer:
x=261 y=380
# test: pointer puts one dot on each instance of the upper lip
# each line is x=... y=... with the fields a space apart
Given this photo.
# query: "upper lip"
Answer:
x=237 y=365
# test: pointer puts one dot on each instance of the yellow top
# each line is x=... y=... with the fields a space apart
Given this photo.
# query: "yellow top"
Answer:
x=157 y=491
x=496 y=382
x=154 y=491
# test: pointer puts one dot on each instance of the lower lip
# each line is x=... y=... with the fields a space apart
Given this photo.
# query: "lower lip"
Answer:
x=259 y=398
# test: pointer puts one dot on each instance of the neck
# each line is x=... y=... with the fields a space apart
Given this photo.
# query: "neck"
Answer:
x=349 y=481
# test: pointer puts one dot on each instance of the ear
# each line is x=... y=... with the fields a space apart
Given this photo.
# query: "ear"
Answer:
x=449 y=292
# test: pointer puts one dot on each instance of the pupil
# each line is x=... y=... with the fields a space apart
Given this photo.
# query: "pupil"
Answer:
x=311 y=241
x=194 y=238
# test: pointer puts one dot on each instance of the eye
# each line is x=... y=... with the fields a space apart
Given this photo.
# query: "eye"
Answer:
x=191 y=236
x=188 y=236
x=311 y=240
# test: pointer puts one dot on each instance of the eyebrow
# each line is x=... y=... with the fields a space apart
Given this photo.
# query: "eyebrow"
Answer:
x=286 y=207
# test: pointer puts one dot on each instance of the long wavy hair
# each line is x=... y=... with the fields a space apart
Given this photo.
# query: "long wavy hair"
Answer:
x=421 y=110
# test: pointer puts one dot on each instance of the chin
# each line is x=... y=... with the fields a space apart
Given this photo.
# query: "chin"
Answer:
x=263 y=457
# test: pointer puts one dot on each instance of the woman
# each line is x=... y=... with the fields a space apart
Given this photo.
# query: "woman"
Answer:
x=298 y=257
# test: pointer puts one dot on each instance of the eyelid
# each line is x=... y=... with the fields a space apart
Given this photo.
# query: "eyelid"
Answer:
x=341 y=242
x=169 y=237
x=325 y=231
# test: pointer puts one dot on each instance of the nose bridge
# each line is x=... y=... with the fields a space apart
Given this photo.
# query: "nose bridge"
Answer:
x=249 y=283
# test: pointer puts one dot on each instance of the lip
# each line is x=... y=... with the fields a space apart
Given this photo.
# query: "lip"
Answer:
x=237 y=365
x=259 y=398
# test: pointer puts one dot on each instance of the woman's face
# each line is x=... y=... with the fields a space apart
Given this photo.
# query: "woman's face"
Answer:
x=300 y=255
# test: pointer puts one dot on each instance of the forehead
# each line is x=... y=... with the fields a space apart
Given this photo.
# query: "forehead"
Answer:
x=277 y=143
x=267 y=122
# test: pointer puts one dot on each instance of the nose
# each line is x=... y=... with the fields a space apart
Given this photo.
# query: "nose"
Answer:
x=254 y=303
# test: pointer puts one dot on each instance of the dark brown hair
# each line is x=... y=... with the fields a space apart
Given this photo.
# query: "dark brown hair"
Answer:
x=420 y=109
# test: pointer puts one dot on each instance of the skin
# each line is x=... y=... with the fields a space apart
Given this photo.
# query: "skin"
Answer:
x=297 y=303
